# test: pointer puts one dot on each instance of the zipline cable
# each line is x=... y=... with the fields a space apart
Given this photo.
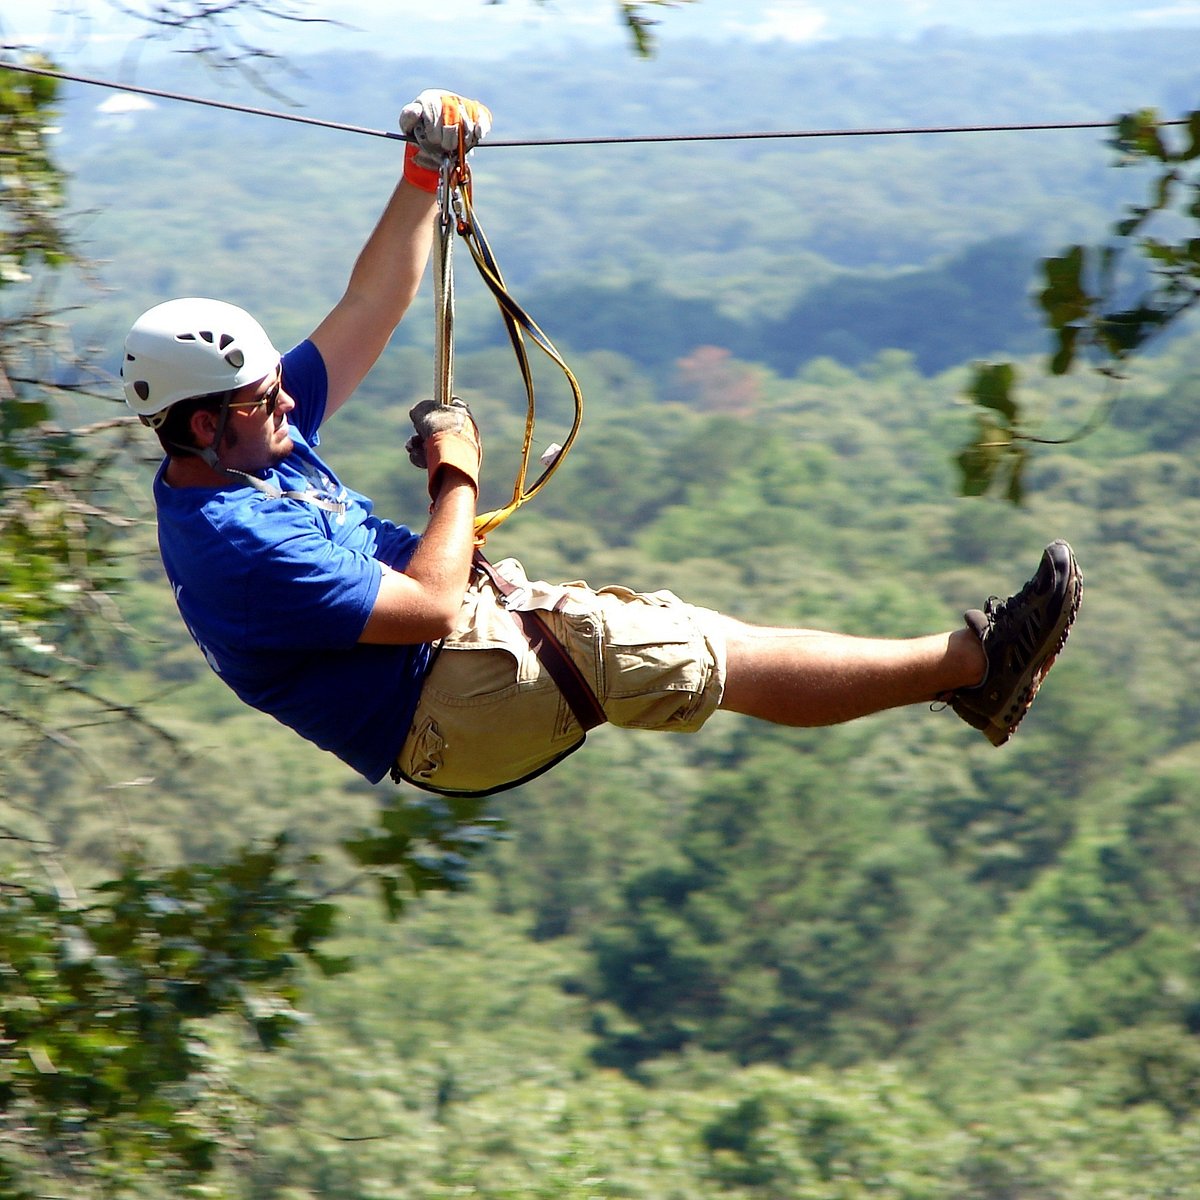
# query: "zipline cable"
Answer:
x=517 y=321
x=632 y=139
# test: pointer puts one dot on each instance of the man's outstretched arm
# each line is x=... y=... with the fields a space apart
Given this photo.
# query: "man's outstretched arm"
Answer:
x=382 y=285
x=388 y=270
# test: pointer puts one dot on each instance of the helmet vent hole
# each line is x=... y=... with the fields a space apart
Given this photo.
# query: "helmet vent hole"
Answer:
x=226 y=339
x=185 y=337
x=207 y=335
x=142 y=388
x=236 y=359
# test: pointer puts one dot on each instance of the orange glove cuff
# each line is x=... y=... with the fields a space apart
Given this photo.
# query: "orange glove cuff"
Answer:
x=421 y=177
x=452 y=450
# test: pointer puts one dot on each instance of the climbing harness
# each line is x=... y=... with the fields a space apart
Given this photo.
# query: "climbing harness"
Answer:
x=456 y=215
x=576 y=690
x=534 y=626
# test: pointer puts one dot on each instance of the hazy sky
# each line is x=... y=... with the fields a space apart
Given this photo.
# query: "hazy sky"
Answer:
x=474 y=27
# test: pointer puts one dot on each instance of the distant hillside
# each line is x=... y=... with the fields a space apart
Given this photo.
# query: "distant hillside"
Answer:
x=842 y=243
x=974 y=305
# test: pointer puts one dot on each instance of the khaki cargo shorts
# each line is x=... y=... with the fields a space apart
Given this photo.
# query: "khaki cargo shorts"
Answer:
x=490 y=716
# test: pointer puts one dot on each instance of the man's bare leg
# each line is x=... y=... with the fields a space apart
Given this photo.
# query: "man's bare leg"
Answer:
x=988 y=672
x=805 y=677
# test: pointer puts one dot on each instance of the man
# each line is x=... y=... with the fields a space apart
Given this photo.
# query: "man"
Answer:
x=405 y=654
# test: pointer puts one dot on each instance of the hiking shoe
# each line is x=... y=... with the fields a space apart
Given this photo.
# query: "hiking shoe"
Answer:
x=1021 y=637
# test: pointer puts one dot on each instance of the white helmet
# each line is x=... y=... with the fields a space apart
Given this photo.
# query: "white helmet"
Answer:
x=191 y=347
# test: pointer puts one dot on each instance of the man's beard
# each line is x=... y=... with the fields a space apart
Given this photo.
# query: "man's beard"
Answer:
x=276 y=454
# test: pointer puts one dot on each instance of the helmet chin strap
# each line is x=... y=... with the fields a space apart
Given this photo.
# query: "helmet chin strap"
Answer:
x=209 y=454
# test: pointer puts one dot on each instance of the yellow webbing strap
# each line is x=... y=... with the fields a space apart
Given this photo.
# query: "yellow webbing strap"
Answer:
x=458 y=214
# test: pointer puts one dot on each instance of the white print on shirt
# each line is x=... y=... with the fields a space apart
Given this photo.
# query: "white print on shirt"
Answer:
x=336 y=492
x=177 y=588
x=322 y=487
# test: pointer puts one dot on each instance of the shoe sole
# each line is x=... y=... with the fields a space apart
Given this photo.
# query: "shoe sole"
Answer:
x=998 y=733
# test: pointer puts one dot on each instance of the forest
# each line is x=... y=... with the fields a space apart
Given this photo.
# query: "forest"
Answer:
x=878 y=961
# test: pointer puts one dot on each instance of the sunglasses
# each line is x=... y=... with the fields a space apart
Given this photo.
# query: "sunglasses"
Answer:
x=269 y=398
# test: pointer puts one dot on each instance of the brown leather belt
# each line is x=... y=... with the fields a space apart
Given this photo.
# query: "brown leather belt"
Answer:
x=553 y=656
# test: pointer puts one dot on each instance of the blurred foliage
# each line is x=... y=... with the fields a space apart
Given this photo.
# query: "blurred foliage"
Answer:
x=218 y=32
x=44 y=555
x=105 y=1079
x=639 y=24
x=59 y=518
x=108 y=1075
x=1097 y=305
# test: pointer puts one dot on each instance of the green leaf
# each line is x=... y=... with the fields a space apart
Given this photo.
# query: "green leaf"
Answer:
x=1017 y=458
x=393 y=901
x=1132 y=223
x=1165 y=189
x=1064 y=298
x=1137 y=135
x=315 y=923
x=991 y=388
x=1126 y=331
x=1064 y=357
x=994 y=450
x=978 y=462
x=331 y=965
x=1192 y=152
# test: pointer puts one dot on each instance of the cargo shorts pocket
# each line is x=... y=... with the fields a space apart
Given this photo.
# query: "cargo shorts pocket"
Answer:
x=654 y=666
x=489 y=717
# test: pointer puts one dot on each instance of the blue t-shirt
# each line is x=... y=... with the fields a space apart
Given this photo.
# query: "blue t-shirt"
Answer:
x=276 y=592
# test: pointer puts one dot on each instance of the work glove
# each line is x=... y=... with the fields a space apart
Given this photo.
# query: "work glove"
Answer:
x=446 y=436
x=433 y=120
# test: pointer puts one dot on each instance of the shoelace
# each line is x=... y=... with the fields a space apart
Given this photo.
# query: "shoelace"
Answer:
x=1016 y=620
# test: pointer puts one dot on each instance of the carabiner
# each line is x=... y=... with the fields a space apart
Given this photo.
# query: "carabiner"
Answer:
x=462 y=179
x=446 y=190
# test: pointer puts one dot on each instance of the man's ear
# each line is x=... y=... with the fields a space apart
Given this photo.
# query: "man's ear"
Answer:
x=203 y=427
